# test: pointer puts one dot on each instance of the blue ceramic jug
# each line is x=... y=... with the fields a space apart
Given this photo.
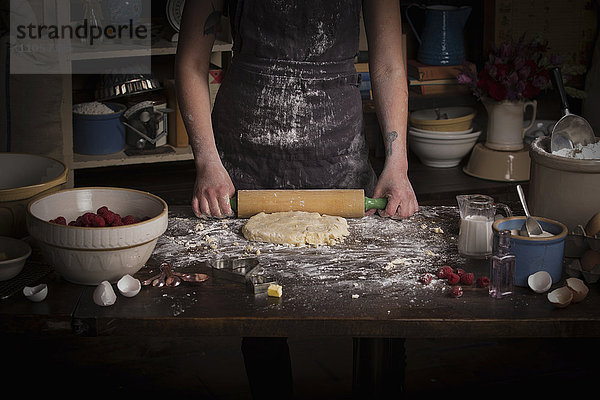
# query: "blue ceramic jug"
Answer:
x=441 y=41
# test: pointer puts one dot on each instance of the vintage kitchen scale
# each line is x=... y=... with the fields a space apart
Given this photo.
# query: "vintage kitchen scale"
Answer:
x=174 y=12
x=147 y=124
x=146 y=116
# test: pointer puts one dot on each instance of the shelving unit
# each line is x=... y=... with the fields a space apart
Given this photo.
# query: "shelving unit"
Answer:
x=161 y=48
x=60 y=135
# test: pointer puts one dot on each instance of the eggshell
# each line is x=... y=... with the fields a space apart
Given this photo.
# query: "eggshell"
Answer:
x=579 y=289
x=36 y=293
x=104 y=294
x=129 y=286
x=560 y=297
x=540 y=281
x=589 y=260
x=593 y=226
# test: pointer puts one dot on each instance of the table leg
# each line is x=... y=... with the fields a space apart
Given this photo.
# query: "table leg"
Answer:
x=379 y=368
x=268 y=366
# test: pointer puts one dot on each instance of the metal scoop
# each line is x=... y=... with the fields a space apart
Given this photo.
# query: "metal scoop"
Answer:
x=531 y=226
x=571 y=129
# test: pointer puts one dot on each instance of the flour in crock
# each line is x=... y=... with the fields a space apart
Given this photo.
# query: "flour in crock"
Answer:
x=588 y=152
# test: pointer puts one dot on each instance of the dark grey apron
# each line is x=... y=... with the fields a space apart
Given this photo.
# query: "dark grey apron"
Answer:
x=288 y=114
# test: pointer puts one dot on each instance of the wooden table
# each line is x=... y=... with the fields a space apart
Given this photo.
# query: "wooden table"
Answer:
x=366 y=287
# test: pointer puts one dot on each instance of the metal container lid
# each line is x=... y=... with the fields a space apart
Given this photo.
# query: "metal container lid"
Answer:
x=120 y=85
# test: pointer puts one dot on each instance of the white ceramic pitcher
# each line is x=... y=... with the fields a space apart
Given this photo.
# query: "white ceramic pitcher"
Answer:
x=505 y=129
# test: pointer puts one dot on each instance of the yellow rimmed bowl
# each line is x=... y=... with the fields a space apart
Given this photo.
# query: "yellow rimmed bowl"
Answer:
x=446 y=119
x=23 y=177
x=90 y=255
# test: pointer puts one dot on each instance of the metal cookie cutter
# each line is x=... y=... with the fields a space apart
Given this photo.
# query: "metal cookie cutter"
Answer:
x=242 y=270
x=234 y=270
x=258 y=282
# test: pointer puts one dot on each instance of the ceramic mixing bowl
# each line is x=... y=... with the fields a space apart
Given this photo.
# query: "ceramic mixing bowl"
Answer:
x=441 y=150
x=446 y=119
x=23 y=177
x=90 y=255
x=13 y=255
x=535 y=254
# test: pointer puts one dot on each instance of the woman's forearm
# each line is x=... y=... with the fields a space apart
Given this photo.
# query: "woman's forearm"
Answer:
x=388 y=78
x=191 y=76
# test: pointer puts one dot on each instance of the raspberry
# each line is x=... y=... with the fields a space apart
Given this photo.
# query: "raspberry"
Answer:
x=73 y=223
x=453 y=279
x=59 y=221
x=467 y=278
x=444 y=272
x=425 y=278
x=457 y=291
x=88 y=218
x=483 y=281
x=110 y=217
x=128 y=220
x=98 y=221
x=117 y=222
x=103 y=210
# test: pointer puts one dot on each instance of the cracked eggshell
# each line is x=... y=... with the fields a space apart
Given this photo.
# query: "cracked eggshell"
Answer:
x=560 y=297
x=104 y=294
x=36 y=293
x=579 y=289
x=129 y=286
x=540 y=281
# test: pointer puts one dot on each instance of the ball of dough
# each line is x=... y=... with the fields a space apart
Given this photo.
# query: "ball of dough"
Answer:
x=296 y=228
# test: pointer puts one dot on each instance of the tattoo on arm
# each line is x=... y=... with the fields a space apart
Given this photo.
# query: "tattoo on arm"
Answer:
x=212 y=22
x=389 y=139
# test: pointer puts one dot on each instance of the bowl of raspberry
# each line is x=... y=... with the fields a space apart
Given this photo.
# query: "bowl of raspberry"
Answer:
x=95 y=234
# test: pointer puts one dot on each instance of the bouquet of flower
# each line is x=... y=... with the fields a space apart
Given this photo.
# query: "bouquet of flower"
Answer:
x=513 y=71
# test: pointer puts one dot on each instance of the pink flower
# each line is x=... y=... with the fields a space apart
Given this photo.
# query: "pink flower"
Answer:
x=513 y=71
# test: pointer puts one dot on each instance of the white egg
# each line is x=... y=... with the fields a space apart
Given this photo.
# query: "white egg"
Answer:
x=104 y=295
x=540 y=281
x=36 y=293
x=560 y=297
x=129 y=286
x=579 y=289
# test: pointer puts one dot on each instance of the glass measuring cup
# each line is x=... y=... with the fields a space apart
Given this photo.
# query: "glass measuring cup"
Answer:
x=477 y=214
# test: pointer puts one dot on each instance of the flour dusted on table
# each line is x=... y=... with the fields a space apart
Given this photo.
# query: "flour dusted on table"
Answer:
x=588 y=152
x=92 y=108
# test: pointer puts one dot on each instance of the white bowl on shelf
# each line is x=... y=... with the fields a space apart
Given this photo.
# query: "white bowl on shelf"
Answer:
x=90 y=255
x=441 y=151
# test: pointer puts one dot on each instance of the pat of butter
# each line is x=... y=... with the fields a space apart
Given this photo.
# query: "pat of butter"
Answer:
x=274 y=290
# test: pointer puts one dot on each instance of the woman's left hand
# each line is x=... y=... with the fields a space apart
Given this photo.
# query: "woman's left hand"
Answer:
x=395 y=185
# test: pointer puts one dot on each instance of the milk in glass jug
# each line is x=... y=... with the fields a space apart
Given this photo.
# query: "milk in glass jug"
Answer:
x=477 y=214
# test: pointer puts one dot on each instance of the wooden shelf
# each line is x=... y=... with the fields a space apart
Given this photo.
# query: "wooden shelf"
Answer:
x=81 y=161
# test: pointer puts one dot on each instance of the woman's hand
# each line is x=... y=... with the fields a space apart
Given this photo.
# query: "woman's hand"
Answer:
x=395 y=185
x=212 y=191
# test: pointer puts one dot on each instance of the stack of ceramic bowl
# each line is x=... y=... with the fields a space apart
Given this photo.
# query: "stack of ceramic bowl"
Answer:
x=442 y=137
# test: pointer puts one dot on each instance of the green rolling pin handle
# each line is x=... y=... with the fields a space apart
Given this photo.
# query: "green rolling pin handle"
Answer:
x=233 y=203
x=378 y=204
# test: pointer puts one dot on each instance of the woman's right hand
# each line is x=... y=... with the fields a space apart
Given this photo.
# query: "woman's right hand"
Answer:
x=212 y=191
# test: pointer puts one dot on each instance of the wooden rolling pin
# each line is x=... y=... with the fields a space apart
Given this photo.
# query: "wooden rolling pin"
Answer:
x=347 y=203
